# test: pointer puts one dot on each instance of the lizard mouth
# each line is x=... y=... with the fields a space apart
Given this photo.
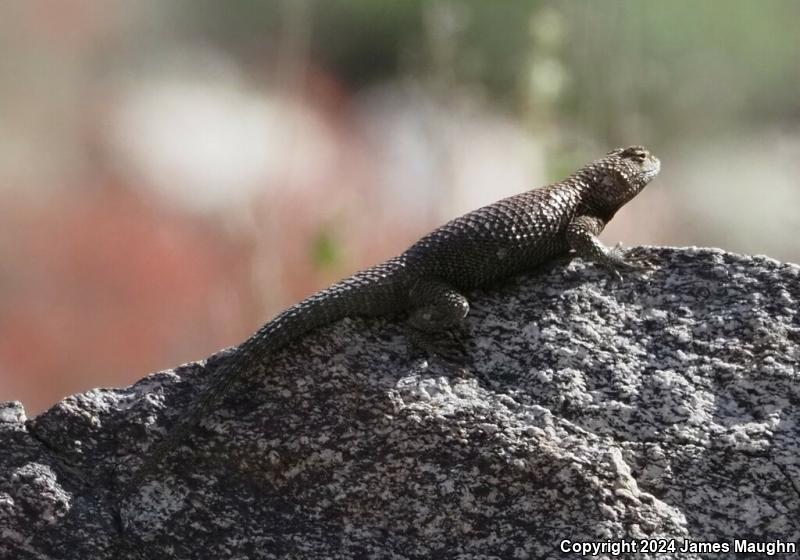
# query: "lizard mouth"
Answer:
x=651 y=169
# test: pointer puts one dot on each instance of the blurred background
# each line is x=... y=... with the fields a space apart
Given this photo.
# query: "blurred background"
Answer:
x=174 y=173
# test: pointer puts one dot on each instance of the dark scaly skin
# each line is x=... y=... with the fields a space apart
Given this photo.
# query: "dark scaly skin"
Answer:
x=505 y=238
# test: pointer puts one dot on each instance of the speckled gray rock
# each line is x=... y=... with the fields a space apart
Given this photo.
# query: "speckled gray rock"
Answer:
x=662 y=406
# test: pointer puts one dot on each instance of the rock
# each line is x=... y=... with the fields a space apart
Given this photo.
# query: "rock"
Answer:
x=589 y=410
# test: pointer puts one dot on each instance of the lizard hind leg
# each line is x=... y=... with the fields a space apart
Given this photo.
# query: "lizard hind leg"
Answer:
x=436 y=306
x=437 y=320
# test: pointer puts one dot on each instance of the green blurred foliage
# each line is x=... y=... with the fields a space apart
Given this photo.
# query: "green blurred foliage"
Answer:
x=326 y=248
x=378 y=33
x=365 y=41
x=617 y=67
x=689 y=66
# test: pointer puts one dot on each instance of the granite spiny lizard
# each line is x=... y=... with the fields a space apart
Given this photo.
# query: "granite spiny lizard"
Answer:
x=510 y=236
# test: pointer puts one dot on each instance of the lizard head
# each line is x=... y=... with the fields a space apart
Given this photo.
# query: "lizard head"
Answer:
x=620 y=175
x=636 y=164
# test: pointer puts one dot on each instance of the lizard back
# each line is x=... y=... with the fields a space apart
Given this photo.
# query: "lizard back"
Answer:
x=512 y=235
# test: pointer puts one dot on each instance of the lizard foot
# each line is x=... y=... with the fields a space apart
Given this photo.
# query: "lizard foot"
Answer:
x=448 y=346
x=618 y=260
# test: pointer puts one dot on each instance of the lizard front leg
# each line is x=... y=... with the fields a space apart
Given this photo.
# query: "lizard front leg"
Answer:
x=582 y=235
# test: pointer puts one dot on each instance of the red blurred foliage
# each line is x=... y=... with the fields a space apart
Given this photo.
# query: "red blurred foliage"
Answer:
x=103 y=281
x=98 y=289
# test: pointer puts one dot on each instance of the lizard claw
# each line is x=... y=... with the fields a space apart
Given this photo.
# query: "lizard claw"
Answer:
x=447 y=345
x=618 y=259
x=638 y=258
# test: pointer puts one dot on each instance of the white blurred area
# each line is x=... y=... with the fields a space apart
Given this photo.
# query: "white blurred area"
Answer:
x=207 y=140
x=451 y=156
x=208 y=145
x=741 y=193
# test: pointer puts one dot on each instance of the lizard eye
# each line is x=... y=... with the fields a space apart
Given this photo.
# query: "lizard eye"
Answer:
x=635 y=153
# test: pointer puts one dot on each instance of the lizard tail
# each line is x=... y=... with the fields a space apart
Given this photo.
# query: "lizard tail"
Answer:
x=379 y=290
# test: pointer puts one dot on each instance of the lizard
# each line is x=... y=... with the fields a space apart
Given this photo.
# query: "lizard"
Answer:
x=428 y=280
